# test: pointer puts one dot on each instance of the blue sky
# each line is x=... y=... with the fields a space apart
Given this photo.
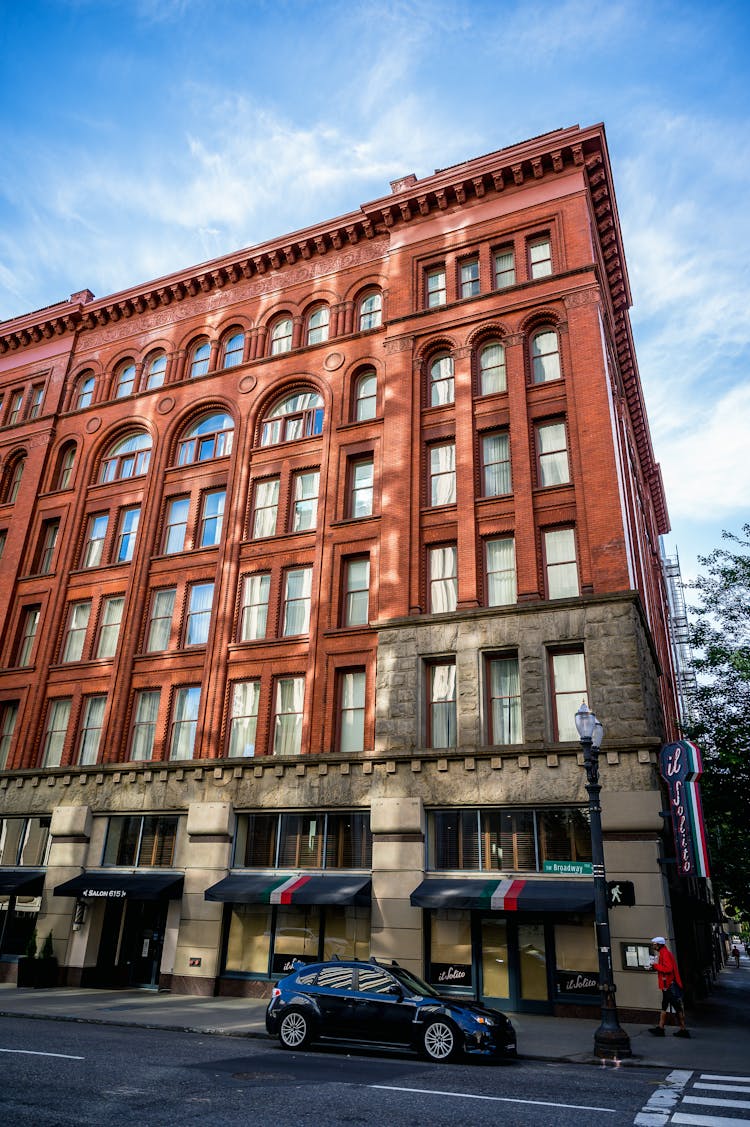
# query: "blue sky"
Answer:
x=141 y=136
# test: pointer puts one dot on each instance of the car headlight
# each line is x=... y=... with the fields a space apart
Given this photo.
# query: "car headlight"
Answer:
x=484 y=1021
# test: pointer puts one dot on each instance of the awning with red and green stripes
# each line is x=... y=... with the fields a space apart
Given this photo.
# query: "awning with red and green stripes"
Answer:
x=301 y=888
x=504 y=895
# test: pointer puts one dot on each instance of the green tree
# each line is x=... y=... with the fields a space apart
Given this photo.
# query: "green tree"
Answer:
x=720 y=723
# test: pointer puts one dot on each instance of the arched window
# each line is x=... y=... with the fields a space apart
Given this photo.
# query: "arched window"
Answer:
x=545 y=356
x=208 y=437
x=125 y=379
x=200 y=354
x=296 y=416
x=281 y=336
x=65 y=462
x=441 y=380
x=492 y=376
x=371 y=311
x=84 y=392
x=128 y=457
x=156 y=370
x=12 y=479
x=317 y=324
x=365 y=402
x=233 y=349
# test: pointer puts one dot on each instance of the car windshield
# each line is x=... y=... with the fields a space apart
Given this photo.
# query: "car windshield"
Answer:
x=412 y=983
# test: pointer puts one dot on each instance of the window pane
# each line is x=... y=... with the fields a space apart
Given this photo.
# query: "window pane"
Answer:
x=75 y=635
x=362 y=477
x=297 y=601
x=443 y=475
x=244 y=718
x=255 y=843
x=109 y=630
x=443 y=705
x=553 y=454
x=305 y=501
x=254 y=607
x=545 y=356
x=492 y=372
x=496 y=464
x=212 y=518
x=454 y=839
x=501 y=572
x=185 y=722
x=443 y=579
x=54 y=737
x=357 y=594
x=199 y=614
x=540 y=258
x=144 y=725
x=435 y=286
x=441 y=381
x=93 y=718
x=95 y=536
x=161 y=620
x=287 y=735
x=470 y=277
x=352 y=733
x=348 y=841
x=569 y=676
x=505 y=269
x=301 y=841
x=281 y=336
x=505 y=701
x=560 y=556
x=366 y=397
x=249 y=942
x=370 y=312
x=177 y=517
x=266 y=508
x=564 y=834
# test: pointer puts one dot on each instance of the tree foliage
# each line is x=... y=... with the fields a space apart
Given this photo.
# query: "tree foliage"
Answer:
x=720 y=722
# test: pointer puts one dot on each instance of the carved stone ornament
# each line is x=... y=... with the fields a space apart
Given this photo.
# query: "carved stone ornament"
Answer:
x=333 y=361
x=93 y=424
x=247 y=383
x=165 y=405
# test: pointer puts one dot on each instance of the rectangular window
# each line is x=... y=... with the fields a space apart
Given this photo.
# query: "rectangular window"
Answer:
x=212 y=518
x=560 y=562
x=501 y=572
x=175 y=528
x=55 y=732
x=564 y=835
x=184 y=722
x=138 y=841
x=297 y=589
x=540 y=257
x=552 y=452
x=244 y=718
x=352 y=710
x=46 y=550
x=505 y=268
x=301 y=841
x=357 y=591
x=470 y=277
x=199 y=614
x=75 y=633
x=441 y=685
x=266 y=508
x=496 y=481
x=14 y=409
x=96 y=532
x=35 y=403
x=348 y=841
x=160 y=621
x=441 y=381
x=254 y=613
x=435 y=287
x=305 y=506
x=3 y=541
x=144 y=724
x=287 y=719
x=91 y=730
x=24 y=842
x=568 y=691
x=504 y=703
x=8 y=717
x=109 y=626
x=442 y=483
x=128 y=531
x=443 y=579
x=27 y=634
x=361 y=477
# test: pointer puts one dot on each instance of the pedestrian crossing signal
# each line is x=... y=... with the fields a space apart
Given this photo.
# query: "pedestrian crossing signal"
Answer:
x=620 y=893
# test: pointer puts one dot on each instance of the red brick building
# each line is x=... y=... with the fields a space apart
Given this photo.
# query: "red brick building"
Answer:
x=309 y=555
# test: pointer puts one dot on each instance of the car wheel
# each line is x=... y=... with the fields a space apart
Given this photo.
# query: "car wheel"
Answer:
x=439 y=1041
x=294 y=1031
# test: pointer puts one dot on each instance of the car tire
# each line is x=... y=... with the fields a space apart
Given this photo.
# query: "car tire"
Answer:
x=439 y=1041
x=294 y=1030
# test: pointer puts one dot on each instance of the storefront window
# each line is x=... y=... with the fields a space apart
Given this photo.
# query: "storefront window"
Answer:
x=347 y=933
x=495 y=966
x=249 y=941
x=316 y=840
x=301 y=841
x=450 y=948
x=297 y=936
x=576 y=957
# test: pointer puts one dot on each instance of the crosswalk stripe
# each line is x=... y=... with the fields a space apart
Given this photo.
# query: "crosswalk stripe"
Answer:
x=724 y=1087
x=726 y=1079
x=689 y=1120
x=709 y=1101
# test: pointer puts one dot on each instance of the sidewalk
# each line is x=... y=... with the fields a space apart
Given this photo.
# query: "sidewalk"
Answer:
x=720 y=1025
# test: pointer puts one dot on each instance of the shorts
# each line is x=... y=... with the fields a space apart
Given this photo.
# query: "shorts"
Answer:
x=671 y=999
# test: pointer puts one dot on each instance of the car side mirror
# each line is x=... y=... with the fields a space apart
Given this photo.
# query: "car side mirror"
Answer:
x=396 y=990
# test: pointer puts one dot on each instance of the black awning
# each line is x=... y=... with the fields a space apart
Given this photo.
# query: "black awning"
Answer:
x=505 y=895
x=21 y=882
x=302 y=888
x=101 y=884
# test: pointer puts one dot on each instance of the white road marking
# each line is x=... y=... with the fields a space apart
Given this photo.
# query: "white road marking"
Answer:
x=495 y=1099
x=707 y=1120
x=726 y=1079
x=723 y=1087
x=739 y=1105
x=32 y=1053
x=657 y=1111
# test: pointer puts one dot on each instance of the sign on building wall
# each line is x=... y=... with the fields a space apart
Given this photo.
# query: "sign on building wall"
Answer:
x=681 y=767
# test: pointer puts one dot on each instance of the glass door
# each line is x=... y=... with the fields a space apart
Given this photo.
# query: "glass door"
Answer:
x=532 y=963
x=496 y=977
x=513 y=958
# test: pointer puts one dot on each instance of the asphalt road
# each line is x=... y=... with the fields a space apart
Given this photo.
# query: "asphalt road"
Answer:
x=60 y=1074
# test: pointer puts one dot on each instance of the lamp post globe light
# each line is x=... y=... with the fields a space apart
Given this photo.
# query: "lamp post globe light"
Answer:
x=610 y=1040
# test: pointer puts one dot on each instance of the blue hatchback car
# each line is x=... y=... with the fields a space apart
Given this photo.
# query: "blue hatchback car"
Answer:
x=382 y=1004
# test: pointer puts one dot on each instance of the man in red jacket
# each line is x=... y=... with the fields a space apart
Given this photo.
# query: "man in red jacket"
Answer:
x=670 y=985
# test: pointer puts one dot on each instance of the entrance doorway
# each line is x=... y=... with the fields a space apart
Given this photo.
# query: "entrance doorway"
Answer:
x=514 y=964
x=131 y=943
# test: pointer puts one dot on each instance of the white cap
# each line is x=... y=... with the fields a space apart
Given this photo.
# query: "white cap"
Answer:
x=658 y=941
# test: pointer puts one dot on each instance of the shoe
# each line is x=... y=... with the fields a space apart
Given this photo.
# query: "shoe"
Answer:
x=681 y=1033
x=656 y=1031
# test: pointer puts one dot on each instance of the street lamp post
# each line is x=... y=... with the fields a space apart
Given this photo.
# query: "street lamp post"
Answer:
x=610 y=1040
